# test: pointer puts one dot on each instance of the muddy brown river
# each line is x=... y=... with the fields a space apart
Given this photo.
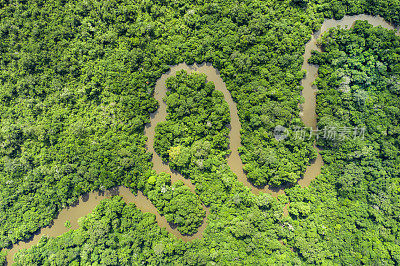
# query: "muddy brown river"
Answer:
x=88 y=202
x=234 y=161
x=308 y=114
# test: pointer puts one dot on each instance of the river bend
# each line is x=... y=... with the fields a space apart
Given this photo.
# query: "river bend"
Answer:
x=88 y=202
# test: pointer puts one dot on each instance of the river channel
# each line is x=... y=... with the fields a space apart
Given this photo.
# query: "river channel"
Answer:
x=88 y=202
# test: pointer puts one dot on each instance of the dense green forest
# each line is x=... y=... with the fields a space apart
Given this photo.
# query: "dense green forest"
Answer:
x=77 y=81
x=196 y=127
x=176 y=202
x=119 y=234
x=351 y=214
x=114 y=234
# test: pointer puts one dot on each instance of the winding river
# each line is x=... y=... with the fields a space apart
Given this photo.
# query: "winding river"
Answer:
x=88 y=202
x=234 y=161
x=308 y=114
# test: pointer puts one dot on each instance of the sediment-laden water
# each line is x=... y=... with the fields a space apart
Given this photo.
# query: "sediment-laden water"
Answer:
x=88 y=202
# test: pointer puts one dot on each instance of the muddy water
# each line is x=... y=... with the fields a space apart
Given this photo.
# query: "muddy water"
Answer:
x=234 y=161
x=308 y=114
x=87 y=203
x=160 y=116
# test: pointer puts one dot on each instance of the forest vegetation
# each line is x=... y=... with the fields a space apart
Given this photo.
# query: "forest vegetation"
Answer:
x=176 y=202
x=196 y=126
x=351 y=213
x=77 y=81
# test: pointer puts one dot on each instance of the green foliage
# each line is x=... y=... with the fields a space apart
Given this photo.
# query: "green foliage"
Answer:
x=351 y=214
x=119 y=234
x=114 y=234
x=337 y=9
x=77 y=79
x=176 y=202
x=67 y=224
x=196 y=126
x=3 y=255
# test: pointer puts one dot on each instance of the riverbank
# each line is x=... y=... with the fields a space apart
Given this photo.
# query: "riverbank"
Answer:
x=88 y=202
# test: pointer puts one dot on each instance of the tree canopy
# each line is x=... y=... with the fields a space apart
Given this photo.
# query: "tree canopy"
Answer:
x=77 y=81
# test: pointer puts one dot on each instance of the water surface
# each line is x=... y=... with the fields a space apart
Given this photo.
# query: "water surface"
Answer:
x=88 y=202
x=308 y=114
